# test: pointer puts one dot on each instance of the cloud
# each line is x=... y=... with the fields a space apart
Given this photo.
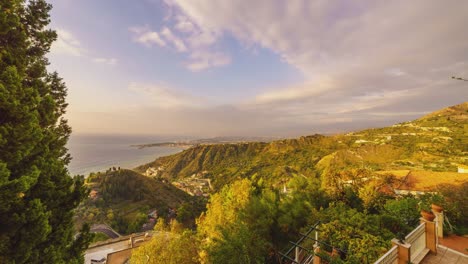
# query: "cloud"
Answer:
x=375 y=99
x=364 y=64
x=177 y=42
x=108 y=61
x=350 y=53
x=145 y=36
x=201 y=60
x=202 y=40
x=180 y=34
x=163 y=96
x=184 y=25
x=67 y=44
x=395 y=72
x=298 y=92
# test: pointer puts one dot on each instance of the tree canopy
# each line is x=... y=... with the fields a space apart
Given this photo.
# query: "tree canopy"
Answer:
x=37 y=194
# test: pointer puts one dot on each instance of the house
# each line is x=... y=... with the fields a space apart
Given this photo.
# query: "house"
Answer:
x=462 y=169
x=153 y=214
x=93 y=194
x=151 y=172
x=149 y=225
x=359 y=141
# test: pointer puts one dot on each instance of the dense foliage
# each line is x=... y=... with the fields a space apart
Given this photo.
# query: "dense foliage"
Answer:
x=276 y=162
x=123 y=198
x=122 y=185
x=37 y=194
x=247 y=222
x=170 y=244
x=456 y=205
x=267 y=194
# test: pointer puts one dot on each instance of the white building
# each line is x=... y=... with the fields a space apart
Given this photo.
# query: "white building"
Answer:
x=462 y=169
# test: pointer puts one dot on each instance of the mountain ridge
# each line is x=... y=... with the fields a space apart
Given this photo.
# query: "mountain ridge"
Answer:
x=437 y=140
x=457 y=111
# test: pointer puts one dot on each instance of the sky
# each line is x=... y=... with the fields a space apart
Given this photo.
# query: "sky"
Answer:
x=256 y=68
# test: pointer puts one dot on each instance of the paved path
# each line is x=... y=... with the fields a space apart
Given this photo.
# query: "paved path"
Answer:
x=457 y=243
x=103 y=228
x=102 y=251
x=445 y=256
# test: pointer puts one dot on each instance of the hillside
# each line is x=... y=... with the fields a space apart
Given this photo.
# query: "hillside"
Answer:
x=456 y=113
x=116 y=186
x=435 y=142
x=349 y=182
x=275 y=161
x=123 y=198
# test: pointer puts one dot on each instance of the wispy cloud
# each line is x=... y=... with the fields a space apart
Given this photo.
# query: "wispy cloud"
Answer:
x=183 y=24
x=181 y=35
x=68 y=44
x=362 y=64
x=395 y=72
x=162 y=96
x=108 y=61
x=201 y=60
x=352 y=55
x=297 y=92
x=145 y=36
x=176 y=41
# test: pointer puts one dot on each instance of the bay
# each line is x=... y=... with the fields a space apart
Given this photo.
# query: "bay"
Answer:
x=92 y=153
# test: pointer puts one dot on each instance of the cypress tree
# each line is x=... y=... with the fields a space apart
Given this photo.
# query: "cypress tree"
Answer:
x=37 y=194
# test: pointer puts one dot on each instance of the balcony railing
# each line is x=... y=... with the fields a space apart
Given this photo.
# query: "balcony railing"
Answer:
x=415 y=246
x=391 y=257
x=417 y=239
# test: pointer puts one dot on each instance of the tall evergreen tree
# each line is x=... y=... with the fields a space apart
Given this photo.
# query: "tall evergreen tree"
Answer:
x=37 y=194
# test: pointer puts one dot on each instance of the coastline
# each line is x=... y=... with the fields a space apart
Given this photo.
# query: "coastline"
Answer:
x=93 y=153
x=104 y=164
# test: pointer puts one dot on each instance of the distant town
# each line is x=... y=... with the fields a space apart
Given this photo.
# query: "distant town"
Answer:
x=207 y=141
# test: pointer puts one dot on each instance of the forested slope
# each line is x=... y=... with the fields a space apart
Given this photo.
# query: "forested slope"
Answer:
x=436 y=142
x=123 y=198
x=126 y=185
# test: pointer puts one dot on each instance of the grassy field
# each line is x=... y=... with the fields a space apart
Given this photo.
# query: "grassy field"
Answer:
x=422 y=180
x=397 y=173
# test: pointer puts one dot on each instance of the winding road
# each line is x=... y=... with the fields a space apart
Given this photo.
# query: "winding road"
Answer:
x=105 y=229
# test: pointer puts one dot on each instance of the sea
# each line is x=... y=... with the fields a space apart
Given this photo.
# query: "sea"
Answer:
x=93 y=153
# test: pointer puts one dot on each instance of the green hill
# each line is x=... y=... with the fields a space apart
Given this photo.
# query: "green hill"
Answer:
x=458 y=113
x=223 y=163
x=435 y=142
x=116 y=186
x=123 y=198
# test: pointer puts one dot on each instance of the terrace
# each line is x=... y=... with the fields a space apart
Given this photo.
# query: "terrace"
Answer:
x=425 y=244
